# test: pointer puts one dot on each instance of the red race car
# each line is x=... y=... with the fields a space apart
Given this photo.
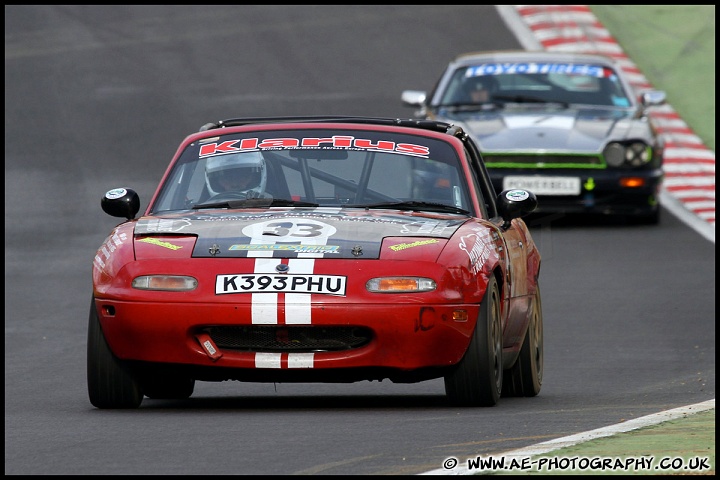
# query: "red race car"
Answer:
x=318 y=249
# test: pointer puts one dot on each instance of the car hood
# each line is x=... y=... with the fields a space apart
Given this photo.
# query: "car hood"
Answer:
x=514 y=129
x=292 y=233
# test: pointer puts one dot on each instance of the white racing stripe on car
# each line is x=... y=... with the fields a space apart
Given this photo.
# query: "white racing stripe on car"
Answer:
x=297 y=312
x=294 y=360
x=265 y=305
x=297 y=305
x=267 y=360
x=301 y=360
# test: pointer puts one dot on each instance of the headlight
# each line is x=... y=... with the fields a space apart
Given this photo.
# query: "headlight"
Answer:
x=400 y=285
x=637 y=154
x=172 y=283
x=634 y=154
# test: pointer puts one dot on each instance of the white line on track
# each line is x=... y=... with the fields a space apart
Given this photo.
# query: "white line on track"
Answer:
x=569 y=441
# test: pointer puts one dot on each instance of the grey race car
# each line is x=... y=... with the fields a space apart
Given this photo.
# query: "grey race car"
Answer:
x=568 y=127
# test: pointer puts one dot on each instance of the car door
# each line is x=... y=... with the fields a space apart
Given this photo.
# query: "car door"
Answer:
x=513 y=240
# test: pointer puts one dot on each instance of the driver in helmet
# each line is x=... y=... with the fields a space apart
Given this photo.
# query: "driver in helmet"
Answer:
x=480 y=89
x=242 y=173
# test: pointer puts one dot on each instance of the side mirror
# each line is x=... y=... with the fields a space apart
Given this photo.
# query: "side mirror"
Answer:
x=121 y=202
x=653 y=98
x=515 y=203
x=413 y=98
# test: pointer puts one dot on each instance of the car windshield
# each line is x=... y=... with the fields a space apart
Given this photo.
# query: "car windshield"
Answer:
x=316 y=168
x=533 y=82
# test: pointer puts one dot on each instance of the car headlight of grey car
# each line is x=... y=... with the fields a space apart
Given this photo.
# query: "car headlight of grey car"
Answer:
x=627 y=154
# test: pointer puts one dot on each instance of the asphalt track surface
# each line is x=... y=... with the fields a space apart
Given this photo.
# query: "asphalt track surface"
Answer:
x=101 y=96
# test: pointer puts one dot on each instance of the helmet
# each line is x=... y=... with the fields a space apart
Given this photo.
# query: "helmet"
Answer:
x=239 y=172
x=485 y=82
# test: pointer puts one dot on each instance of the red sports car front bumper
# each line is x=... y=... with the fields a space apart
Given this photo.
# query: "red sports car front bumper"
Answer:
x=403 y=336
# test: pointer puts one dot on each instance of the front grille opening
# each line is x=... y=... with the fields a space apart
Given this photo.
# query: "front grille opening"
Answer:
x=284 y=338
x=547 y=160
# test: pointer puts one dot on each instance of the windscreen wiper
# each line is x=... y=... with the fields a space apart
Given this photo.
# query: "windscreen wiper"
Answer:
x=415 y=206
x=471 y=107
x=527 y=99
x=255 y=203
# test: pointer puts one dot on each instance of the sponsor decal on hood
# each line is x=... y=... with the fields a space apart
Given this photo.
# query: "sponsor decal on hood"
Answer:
x=298 y=233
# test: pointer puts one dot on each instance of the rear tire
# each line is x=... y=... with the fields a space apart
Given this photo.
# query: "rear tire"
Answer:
x=110 y=382
x=476 y=381
x=524 y=379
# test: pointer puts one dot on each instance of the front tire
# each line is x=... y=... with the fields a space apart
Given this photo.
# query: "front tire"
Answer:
x=476 y=381
x=110 y=383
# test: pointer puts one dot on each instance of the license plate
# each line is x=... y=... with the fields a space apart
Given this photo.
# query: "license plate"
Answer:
x=270 y=283
x=544 y=185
